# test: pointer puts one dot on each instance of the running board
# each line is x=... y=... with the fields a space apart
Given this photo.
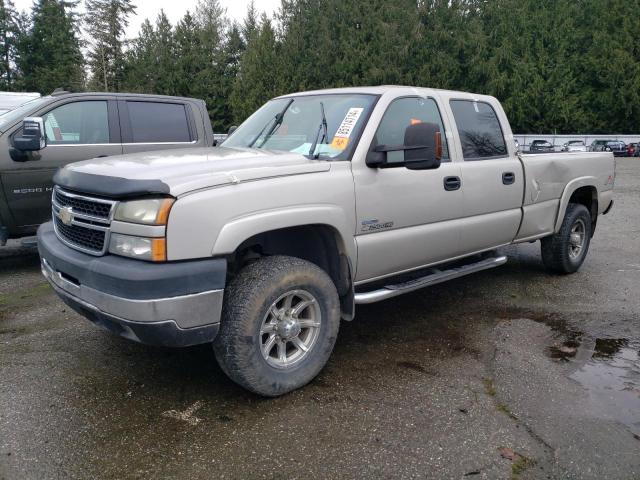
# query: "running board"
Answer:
x=436 y=276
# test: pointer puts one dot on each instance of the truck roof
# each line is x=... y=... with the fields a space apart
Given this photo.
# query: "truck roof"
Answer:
x=382 y=89
x=114 y=94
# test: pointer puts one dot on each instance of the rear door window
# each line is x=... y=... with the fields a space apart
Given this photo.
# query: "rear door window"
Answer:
x=480 y=131
x=157 y=122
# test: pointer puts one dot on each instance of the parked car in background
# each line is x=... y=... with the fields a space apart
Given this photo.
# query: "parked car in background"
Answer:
x=632 y=150
x=574 y=146
x=12 y=100
x=598 y=145
x=617 y=147
x=541 y=146
x=80 y=126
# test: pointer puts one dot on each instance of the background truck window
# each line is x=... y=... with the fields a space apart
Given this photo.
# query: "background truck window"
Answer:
x=404 y=112
x=155 y=122
x=78 y=123
x=480 y=131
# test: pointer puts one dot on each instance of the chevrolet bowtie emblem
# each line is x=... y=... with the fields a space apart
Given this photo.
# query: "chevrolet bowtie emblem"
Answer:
x=65 y=214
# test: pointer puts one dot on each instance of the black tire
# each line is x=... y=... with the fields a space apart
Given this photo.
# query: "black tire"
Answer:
x=557 y=249
x=248 y=301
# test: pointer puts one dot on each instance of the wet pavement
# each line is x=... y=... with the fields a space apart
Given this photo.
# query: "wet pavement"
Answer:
x=509 y=373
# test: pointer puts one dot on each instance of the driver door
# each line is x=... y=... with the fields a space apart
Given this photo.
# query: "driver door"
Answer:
x=75 y=130
x=405 y=218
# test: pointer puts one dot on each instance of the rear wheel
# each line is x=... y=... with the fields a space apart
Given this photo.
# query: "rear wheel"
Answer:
x=565 y=251
x=280 y=321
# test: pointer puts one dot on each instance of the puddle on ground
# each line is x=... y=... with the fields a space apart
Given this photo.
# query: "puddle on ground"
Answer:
x=609 y=368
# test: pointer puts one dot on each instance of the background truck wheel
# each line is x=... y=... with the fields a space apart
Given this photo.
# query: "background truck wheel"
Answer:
x=564 y=252
x=279 y=323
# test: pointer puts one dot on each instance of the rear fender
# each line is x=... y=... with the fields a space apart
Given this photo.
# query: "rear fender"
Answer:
x=569 y=190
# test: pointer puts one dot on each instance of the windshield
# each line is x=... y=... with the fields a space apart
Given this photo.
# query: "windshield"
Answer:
x=20 y=112
x=297 y=124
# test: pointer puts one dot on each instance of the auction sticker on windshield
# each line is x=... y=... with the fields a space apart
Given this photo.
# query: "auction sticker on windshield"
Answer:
x=341 y=138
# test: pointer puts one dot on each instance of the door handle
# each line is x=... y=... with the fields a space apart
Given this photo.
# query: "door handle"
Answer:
x=102 y=156
x=508 y=178
x=452 y=183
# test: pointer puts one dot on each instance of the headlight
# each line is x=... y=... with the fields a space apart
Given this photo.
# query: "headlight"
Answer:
x=154 y=211
x=142 y=248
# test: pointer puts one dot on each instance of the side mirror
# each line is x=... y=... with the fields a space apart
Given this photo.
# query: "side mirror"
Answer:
x=32 y=137
x=422 y=146
x=422 y=149
x=232 y=129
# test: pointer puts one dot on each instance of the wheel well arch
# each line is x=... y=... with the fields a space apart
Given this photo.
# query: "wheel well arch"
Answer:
x=319 y=244
x=587 y=196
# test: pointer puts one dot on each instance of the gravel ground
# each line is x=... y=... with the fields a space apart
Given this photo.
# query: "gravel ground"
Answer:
x=509 y=373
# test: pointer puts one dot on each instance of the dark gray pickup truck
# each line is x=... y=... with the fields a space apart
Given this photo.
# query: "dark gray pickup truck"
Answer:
x=49 y=132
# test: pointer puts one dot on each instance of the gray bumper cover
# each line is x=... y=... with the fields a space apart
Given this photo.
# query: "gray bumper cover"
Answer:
x=177 y=320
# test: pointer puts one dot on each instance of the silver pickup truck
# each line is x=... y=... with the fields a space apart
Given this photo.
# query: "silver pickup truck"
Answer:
x=319 y=201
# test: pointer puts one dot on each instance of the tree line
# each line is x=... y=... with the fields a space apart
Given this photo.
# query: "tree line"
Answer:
x=563 y=66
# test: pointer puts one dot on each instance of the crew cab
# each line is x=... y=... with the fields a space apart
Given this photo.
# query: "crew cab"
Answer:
x=68 y=127
x=318 y=202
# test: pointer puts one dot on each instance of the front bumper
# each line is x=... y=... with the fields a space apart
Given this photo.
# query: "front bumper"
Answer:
x=166 y=304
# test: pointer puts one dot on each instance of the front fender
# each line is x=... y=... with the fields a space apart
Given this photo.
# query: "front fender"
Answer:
x=235 y=232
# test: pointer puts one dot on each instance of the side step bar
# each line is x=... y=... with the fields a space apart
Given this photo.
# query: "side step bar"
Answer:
x=436 y=276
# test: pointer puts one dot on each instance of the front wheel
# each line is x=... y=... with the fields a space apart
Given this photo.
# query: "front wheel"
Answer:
x=565 y=251
x=279 y=324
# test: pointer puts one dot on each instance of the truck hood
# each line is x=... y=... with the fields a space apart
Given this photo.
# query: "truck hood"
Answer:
x=180 y=171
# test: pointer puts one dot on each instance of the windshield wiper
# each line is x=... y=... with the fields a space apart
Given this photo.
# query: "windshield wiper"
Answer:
x=277 y=121
x=325 y=134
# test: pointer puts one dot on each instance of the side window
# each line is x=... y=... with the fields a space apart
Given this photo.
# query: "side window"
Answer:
x=404 y=112
x=155 y=122
x=78 y=123
x=480 y=131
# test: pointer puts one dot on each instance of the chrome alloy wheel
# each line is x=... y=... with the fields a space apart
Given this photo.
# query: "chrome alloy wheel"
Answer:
x=577 y=238
x=290 y=328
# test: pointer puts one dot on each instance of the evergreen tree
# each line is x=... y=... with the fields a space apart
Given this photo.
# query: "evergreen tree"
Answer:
x=258 y=78
x=150 y=65
x=8 y=32
x=190 y=58
x=209 y=83
x=106 y=21
x=49 y=55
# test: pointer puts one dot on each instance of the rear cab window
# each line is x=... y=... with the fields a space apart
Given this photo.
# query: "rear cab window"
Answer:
x=480 y=131
x=158 y=122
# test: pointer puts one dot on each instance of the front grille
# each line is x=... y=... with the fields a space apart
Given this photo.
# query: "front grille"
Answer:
x=86 y=238
x=82 y=222
x=94 y=208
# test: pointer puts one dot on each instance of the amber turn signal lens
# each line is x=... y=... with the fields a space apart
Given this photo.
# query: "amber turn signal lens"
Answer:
x=163 y=211
x=159 y=249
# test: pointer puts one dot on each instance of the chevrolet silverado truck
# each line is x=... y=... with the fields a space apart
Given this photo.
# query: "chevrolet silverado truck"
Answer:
x=318 y=202
x=67 y=127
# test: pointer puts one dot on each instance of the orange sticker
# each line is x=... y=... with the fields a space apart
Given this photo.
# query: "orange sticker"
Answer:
x=340 y=143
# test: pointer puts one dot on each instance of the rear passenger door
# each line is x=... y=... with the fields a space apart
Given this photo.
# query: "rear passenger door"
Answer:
x=149 y=124
x=492 y=178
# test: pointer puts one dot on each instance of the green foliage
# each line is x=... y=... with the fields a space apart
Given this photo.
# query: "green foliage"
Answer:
x=569 y=66
x=8 y=39
x=106 y=21
x=48 y=53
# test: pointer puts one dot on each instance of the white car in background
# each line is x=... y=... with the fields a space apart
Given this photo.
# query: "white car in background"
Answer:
x=12 y=100
x=574 y=146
